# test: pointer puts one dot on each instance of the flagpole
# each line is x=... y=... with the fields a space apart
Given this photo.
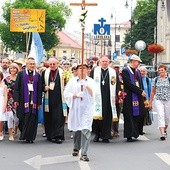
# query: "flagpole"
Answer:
x=28 y=43
x=26 y=39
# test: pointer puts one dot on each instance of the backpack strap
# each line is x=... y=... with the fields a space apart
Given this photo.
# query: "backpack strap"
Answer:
x=169 y=79
x=156 y=79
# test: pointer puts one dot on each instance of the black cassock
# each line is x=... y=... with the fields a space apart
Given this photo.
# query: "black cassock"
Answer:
x=102 y=128
x=28 y=122
x=133 y=125
x=54 y=120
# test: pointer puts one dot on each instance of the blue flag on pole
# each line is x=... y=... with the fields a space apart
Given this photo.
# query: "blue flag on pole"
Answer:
x=114 y=55
x=36 y=50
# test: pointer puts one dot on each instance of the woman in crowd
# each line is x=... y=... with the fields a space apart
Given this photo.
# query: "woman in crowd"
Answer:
x=41 y=110
x=160 y=92
x=147 y=85
x=12 y=118
x=3 y=104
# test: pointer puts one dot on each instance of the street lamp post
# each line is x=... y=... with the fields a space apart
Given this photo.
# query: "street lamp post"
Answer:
x=95 y=43
x=114 y=33
x=131 y=22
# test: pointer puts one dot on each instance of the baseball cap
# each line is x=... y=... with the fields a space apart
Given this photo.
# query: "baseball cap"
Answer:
x=135 y=57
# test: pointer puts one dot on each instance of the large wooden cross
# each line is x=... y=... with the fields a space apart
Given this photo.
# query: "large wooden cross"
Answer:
x=83 y=4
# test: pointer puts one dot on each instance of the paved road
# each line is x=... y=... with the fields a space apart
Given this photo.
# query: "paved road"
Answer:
x=147 y=153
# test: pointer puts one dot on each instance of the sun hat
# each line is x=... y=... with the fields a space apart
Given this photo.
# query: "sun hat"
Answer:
x=135 y=57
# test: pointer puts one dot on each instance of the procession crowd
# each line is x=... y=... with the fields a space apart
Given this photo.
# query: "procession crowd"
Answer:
x=89 y=97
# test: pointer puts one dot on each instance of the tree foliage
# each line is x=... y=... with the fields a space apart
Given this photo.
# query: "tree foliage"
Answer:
x=143 y=27
x=56 y=14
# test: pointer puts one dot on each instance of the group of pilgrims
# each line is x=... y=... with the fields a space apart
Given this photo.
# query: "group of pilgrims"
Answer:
x=89 y=97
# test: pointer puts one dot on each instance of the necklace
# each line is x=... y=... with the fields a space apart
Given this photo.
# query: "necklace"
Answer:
x=104 y=77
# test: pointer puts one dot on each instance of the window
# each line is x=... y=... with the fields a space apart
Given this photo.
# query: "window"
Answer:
x=64 y=57
x=117 y=38
x=118 y=52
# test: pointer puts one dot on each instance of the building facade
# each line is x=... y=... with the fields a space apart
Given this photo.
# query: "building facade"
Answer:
x=163 y=30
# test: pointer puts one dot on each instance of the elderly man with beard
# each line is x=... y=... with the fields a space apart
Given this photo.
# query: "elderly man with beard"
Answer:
x=5 y=67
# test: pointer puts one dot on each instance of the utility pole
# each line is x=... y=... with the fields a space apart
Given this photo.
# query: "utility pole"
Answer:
x=131 y=22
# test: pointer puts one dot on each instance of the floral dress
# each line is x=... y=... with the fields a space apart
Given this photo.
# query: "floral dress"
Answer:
x=10 y=85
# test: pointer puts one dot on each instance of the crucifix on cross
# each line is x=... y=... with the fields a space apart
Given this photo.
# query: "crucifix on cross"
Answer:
x=83 y=4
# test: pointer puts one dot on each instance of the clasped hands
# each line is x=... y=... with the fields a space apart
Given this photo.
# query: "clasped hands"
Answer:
x=81 y=93
x=78 y=95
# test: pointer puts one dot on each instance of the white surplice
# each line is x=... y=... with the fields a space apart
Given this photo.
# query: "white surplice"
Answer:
x=80 y=110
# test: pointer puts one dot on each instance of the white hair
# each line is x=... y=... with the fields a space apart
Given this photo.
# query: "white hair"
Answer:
x=142 y=68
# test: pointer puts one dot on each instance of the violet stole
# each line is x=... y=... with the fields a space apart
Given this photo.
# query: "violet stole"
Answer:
x=26 y=92
x=135 y=98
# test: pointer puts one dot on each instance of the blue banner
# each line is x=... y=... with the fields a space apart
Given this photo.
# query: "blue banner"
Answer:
x=36 y=48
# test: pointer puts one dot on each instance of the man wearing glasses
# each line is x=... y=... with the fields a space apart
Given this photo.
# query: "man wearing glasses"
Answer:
x=27 y=99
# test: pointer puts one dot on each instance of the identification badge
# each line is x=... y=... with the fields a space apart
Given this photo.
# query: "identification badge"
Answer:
x=30 y=87
x=52 y=85
x=137 y=83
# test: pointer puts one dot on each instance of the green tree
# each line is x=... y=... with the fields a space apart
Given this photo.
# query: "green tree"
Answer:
x=143 y=26
x=56 y=14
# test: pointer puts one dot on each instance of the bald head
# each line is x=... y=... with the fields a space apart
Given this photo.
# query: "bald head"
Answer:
x=53 y=63
x=104 y=62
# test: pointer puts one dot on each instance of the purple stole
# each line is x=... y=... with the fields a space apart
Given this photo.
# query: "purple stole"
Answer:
x=26 y=92
x=135 y=99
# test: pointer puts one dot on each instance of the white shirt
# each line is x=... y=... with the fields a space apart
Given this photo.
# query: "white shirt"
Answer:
x=80 y=111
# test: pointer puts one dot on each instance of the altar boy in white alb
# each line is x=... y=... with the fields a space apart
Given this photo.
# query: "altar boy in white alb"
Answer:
x=79 y=98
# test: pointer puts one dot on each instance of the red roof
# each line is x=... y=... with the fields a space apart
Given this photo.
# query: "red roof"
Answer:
x=66 y=40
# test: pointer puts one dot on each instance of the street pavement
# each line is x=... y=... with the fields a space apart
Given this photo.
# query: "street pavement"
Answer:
x=147 y=153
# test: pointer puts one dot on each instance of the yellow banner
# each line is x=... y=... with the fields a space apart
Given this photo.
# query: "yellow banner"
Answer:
x=27 y=20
